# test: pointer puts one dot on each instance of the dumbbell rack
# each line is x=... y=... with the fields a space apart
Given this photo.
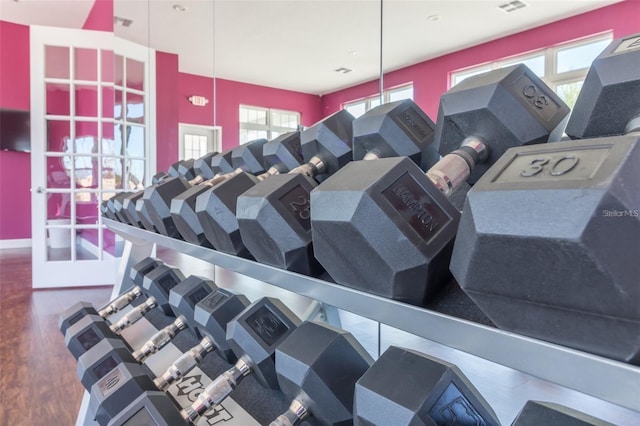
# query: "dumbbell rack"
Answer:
x=602 y=378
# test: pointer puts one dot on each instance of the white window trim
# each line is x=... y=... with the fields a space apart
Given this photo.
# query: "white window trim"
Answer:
x=268 y=127
x=386 y=96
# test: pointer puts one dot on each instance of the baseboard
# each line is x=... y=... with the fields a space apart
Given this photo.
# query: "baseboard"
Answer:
x=18 y=243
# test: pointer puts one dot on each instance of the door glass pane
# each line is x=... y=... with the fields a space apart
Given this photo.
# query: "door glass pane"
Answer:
x=86 y=137
x=86 y=173
x=135 y=175
x=59 y=237
x=86 y=207
x=135 y=141
x=112 y=243
x=135 y=108
x=110 y=174
x=58 y=102
x=56 y=62
x=108 y=102
x=118 y=70
x=57 y=176
x=118 y=138
x=135 y=74
x=58 y=132
x=86 y=101
x=107 y=66
x=86 y=64
x=58 y=205
x=117 y=108
x=87 y=241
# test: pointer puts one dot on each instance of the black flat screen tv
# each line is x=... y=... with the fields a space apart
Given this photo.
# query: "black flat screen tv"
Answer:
x=15 y=130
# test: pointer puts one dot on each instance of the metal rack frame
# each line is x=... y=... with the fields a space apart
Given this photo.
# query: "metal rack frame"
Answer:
x=606 y=379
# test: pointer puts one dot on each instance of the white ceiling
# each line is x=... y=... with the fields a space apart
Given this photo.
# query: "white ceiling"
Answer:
x=297 y=44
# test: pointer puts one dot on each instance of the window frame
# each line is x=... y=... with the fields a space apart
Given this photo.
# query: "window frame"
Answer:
x=386 y=95
x=268 y=127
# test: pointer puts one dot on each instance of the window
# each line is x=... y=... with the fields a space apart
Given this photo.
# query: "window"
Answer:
x=197 y=140
x=266 y=123
x=563 y=67
x=359 y=107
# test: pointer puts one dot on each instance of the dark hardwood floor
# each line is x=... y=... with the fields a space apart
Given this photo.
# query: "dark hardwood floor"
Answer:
x=38 y=381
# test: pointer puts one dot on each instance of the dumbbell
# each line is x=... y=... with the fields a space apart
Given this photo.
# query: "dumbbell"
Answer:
x=254 y=336
x=74 y=313
x=109 y=351
x=216 y=207
x=536 y=413
x=547 y=245
x=406 y=387
x=211 y=314
x=183 y=298
x=247 y=158
x=272 y=216
x=157 y=284
x=156 y=199
x=124 y=391
x=128 y=214
x=398 y=218
x=317 y=368
x=608 y=103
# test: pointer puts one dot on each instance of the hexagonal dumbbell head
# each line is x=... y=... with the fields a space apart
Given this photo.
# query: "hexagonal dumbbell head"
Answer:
x=86 y=333
x=247 y=158
x=273 y=216
x=159 y=177
x=283 y=153
x=183 y=168
x=94 y=364
x=502 y=108
x=129 y=209
x=184 y=297
x=74 y=314
x=202 y=166
x=214 y=312
x=158 y=200
x=216 y=207
x=548 y=247
x=273 y=219
x=221 y=163
x=118 y=206
x=142 y=268
x=253 y=336
x=396 y=129
x=159 y=282
x=536 y=413
x=327 y=145
x=388 y=212
x=151 y=408
x=410 y=388
x=318 y=366
x=118 y=388
x=609 y=101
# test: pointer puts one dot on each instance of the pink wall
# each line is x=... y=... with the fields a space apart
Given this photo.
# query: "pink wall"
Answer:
x=15 y=167
x=101 y=16
x=190 y=85
x=167 y=112
x=431 y=78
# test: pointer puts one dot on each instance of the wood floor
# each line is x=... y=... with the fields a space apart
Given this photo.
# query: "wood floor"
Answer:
x=38 y=381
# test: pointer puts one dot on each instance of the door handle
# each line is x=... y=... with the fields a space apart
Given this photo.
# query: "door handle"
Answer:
x=39 y=190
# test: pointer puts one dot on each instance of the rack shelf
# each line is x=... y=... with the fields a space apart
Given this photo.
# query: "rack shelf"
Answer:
x=609 y=380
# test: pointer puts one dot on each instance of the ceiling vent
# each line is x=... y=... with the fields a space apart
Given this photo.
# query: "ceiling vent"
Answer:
x=122 y=21
x=512 y=6
x=343 y=70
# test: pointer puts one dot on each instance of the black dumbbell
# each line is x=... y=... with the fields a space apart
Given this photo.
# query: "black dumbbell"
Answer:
x=410 y=388
x=317 y=367
x=216 y=207
x=536 y=413
x=608 y=103
x=182 y=299
x=122 y=392
x=254 y=336
x=273 y=215
x=156 y=284
x=246 y=158
x=562 y=222
x=386 y=227
x=156 y=199
x=211 y=314
x=137 y=272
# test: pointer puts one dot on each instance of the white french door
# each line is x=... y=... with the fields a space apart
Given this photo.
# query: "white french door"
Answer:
x=91 y=125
